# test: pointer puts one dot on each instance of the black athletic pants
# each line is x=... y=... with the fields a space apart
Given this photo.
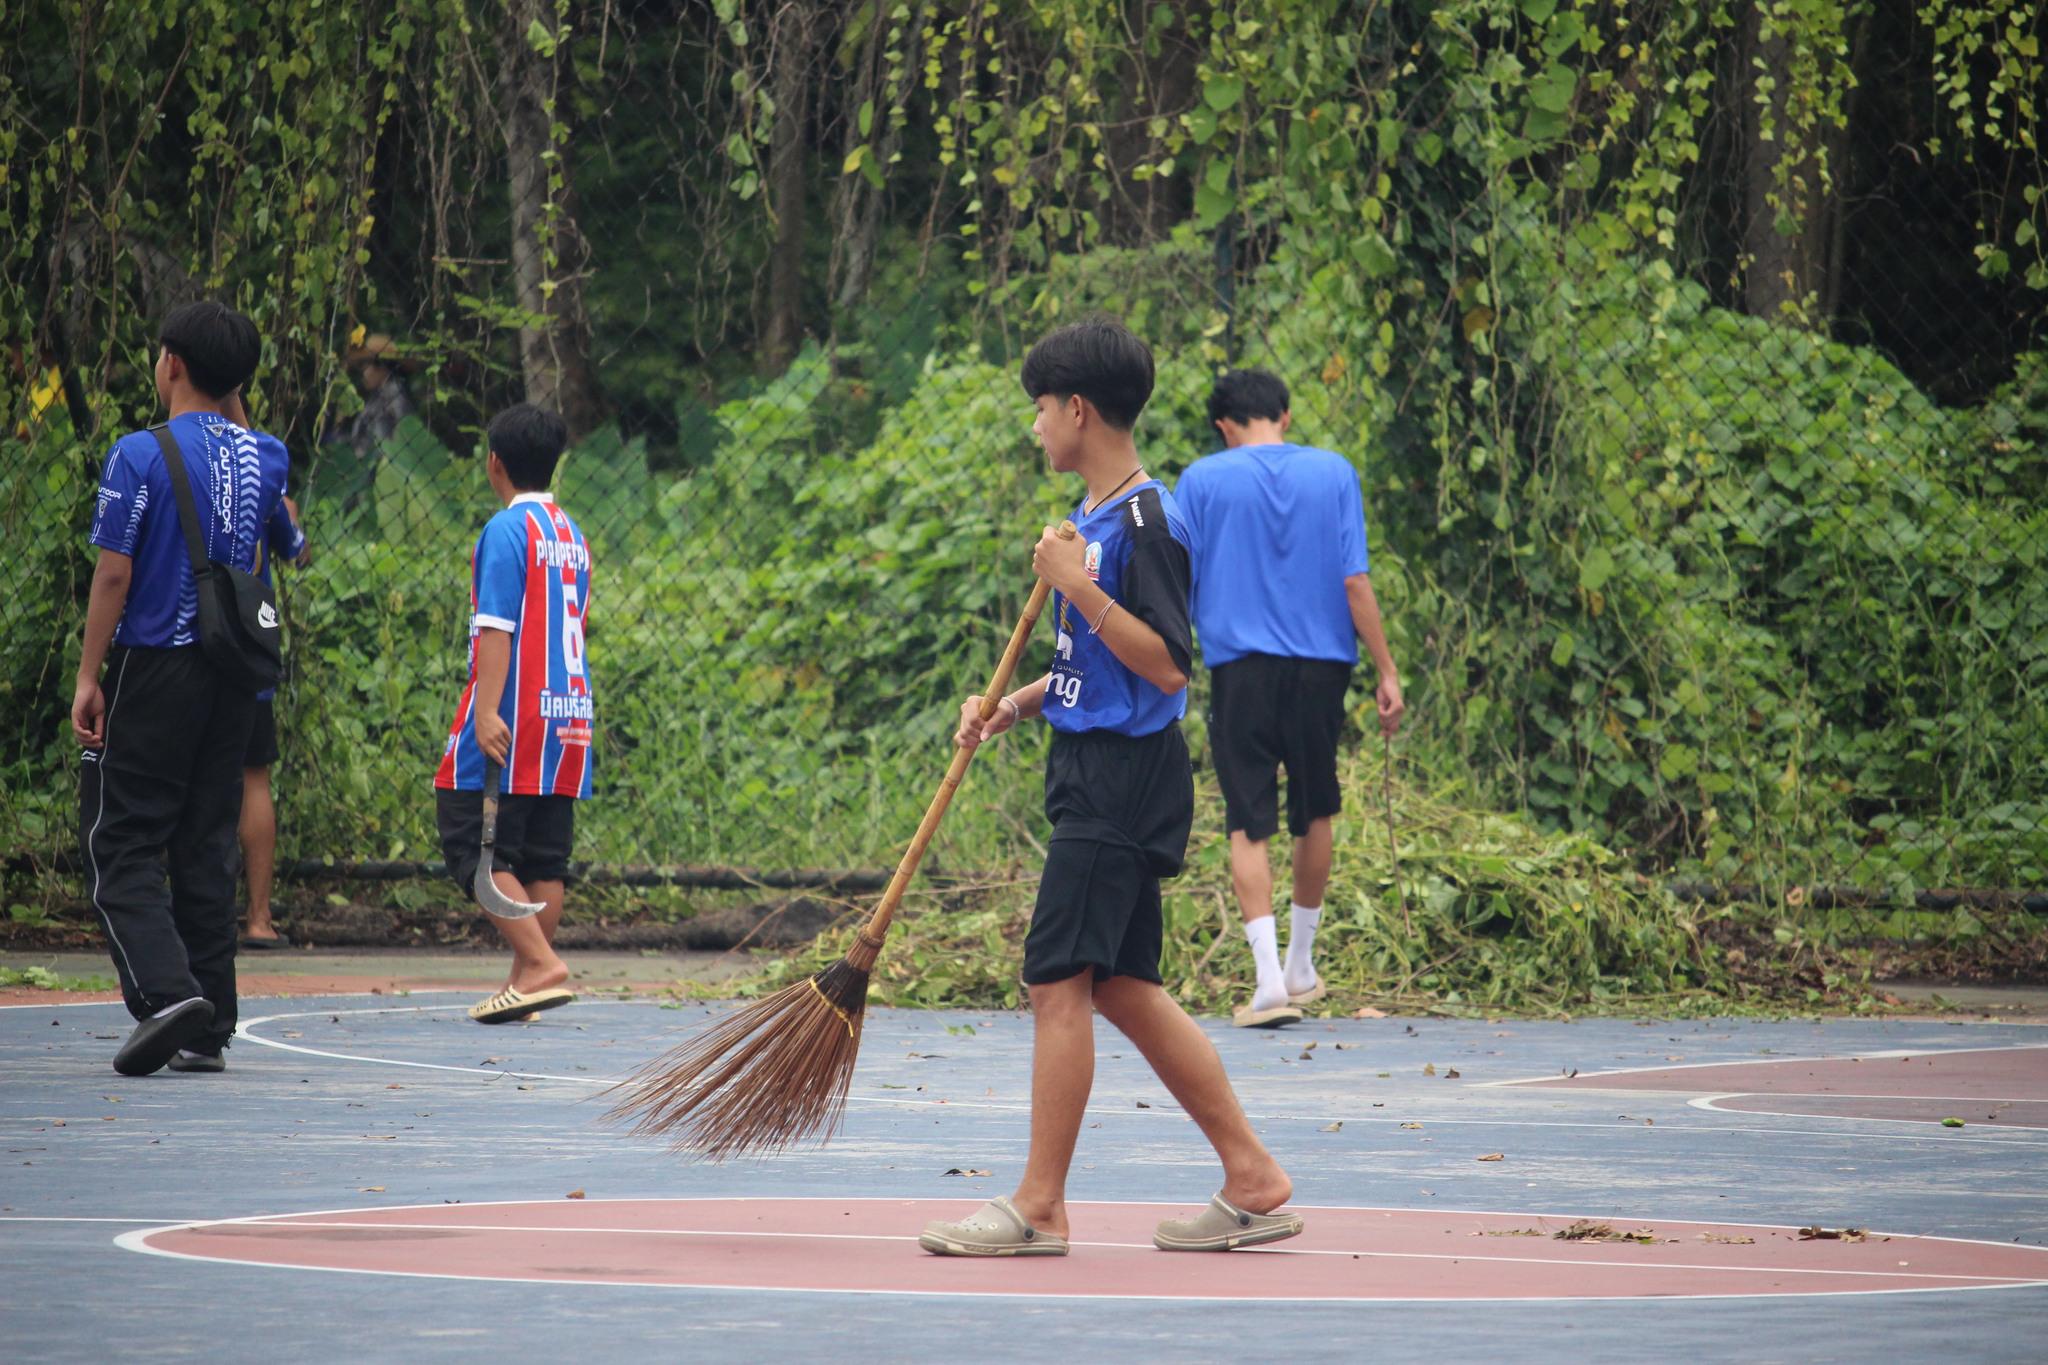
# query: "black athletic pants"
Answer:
x=167 y=788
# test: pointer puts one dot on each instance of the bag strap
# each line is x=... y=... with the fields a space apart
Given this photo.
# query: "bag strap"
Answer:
x=188 y=511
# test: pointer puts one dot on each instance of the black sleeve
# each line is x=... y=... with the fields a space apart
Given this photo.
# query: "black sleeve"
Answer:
x=1155 y=578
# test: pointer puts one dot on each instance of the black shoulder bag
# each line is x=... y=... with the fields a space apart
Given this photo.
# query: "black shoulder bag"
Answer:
x=238 y=626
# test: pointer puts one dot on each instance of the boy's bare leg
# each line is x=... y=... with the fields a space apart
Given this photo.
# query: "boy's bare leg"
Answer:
x=259 y=850
x=1251 y=876
x=552 y=894
x=1181 y=1055
x=534 y=964
x=1312 y=863
x=1062 y=1074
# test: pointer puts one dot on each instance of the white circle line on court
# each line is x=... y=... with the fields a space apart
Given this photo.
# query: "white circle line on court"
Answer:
x=1892 y=1054
x=287 y=1221
x=1711 y=1104
x=137 y=1240
x=245 y=1027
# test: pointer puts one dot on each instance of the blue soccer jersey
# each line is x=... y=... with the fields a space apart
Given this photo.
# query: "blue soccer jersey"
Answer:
x=530 y=577
x=1137 y=552
x=1277 y=530
x=237 y=479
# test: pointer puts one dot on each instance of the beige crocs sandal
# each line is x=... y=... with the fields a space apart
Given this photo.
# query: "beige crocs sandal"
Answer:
x=994 y=1229
x=1311 y=995
x=1244 y=1016
x=509 y=1005
x=1223 y=1226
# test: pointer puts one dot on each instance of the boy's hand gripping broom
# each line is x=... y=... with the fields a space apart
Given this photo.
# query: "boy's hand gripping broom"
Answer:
x=775 y=1073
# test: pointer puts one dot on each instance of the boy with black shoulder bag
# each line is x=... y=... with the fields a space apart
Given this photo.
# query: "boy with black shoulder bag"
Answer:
x=179 y=637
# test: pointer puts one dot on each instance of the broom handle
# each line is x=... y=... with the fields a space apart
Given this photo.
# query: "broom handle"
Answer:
x=878 y=923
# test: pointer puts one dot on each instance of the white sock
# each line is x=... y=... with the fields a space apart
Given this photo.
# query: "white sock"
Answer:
x=1271 y=992
x=1301 y=946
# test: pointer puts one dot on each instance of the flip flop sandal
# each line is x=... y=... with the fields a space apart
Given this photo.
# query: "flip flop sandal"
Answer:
x=1311 y=995
x=509 y=1005
x=1223 y=1226
x=994 y=1229
x=265 y=944
x=1244 y=1016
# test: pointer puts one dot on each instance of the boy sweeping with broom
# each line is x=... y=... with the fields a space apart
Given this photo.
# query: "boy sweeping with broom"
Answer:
x=1120 y=797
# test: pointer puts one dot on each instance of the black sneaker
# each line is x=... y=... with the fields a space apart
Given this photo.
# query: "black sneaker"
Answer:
x=197 y=1061
x=157 y=1039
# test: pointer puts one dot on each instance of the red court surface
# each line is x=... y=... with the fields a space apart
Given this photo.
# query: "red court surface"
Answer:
x=869 y=1246
x=2007 y=1086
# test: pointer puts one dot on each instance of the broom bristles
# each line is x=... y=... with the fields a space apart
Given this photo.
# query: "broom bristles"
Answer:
x=769 y=1075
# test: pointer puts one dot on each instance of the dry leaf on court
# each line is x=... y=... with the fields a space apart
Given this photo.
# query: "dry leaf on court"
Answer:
x=1726 y=1240
x=1368 y=1013
x=1411 y=1125
x=1336 y=1127
x=1587 y=1230
x=370 y=1189
x=573 y=1194
x=1817 y=1233
x=1451 y=1074
x=1492 y=1156
x=968 y=1170
x=1429 y=1068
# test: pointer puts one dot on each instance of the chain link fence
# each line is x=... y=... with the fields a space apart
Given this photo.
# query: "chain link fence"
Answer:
x=1703 y=455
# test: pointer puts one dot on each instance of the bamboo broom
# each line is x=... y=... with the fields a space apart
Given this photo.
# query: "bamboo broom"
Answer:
x=775 y=1073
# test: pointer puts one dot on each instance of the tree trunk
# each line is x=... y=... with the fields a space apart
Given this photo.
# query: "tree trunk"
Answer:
x=1160 y=84
x=856 y=204
x=1790 y=207
x=793 y=39
x=549 y=254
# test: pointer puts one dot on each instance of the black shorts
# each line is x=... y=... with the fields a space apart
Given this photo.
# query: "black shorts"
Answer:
x=1268 y=712
x=534 y=835
x=1120 y=809
x=262 y=750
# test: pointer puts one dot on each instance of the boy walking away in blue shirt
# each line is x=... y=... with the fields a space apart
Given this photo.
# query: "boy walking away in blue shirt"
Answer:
x=1120 y=796
x=1281 y=598
x=527 y=706
x=164 y=731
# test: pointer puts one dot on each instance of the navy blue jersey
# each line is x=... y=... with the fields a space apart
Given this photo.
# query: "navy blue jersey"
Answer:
x=237 y=478
x=1277 y=530
x=1137 y=552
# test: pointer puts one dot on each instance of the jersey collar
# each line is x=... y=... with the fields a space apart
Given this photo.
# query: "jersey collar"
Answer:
x=518 y=498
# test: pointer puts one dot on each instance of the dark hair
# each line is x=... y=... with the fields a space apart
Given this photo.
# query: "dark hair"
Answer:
x=1097 y=358
x=528 y=441
x=218 y=345
x=1243 y=396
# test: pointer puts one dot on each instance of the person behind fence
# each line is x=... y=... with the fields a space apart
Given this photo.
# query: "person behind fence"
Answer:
x=164 y=729
x=1282 y=596
x=527 y=707
x=284 y=544
x=1119 y=793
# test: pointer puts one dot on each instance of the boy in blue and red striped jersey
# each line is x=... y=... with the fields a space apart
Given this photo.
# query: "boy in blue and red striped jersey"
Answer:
x=527 y=705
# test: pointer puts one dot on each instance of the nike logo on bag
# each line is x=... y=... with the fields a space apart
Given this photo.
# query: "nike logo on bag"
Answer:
x=266 y=617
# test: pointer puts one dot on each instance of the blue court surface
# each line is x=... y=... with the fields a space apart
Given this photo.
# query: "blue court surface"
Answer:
x=379 y=1179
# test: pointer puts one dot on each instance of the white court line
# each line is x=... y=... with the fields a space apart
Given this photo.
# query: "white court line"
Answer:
x=1890 y=1055
x=288 y=1221
x=138 y=1241
x=114 y=998
x=77 y=1218
x=1711 y=1104
x=243 y=1030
